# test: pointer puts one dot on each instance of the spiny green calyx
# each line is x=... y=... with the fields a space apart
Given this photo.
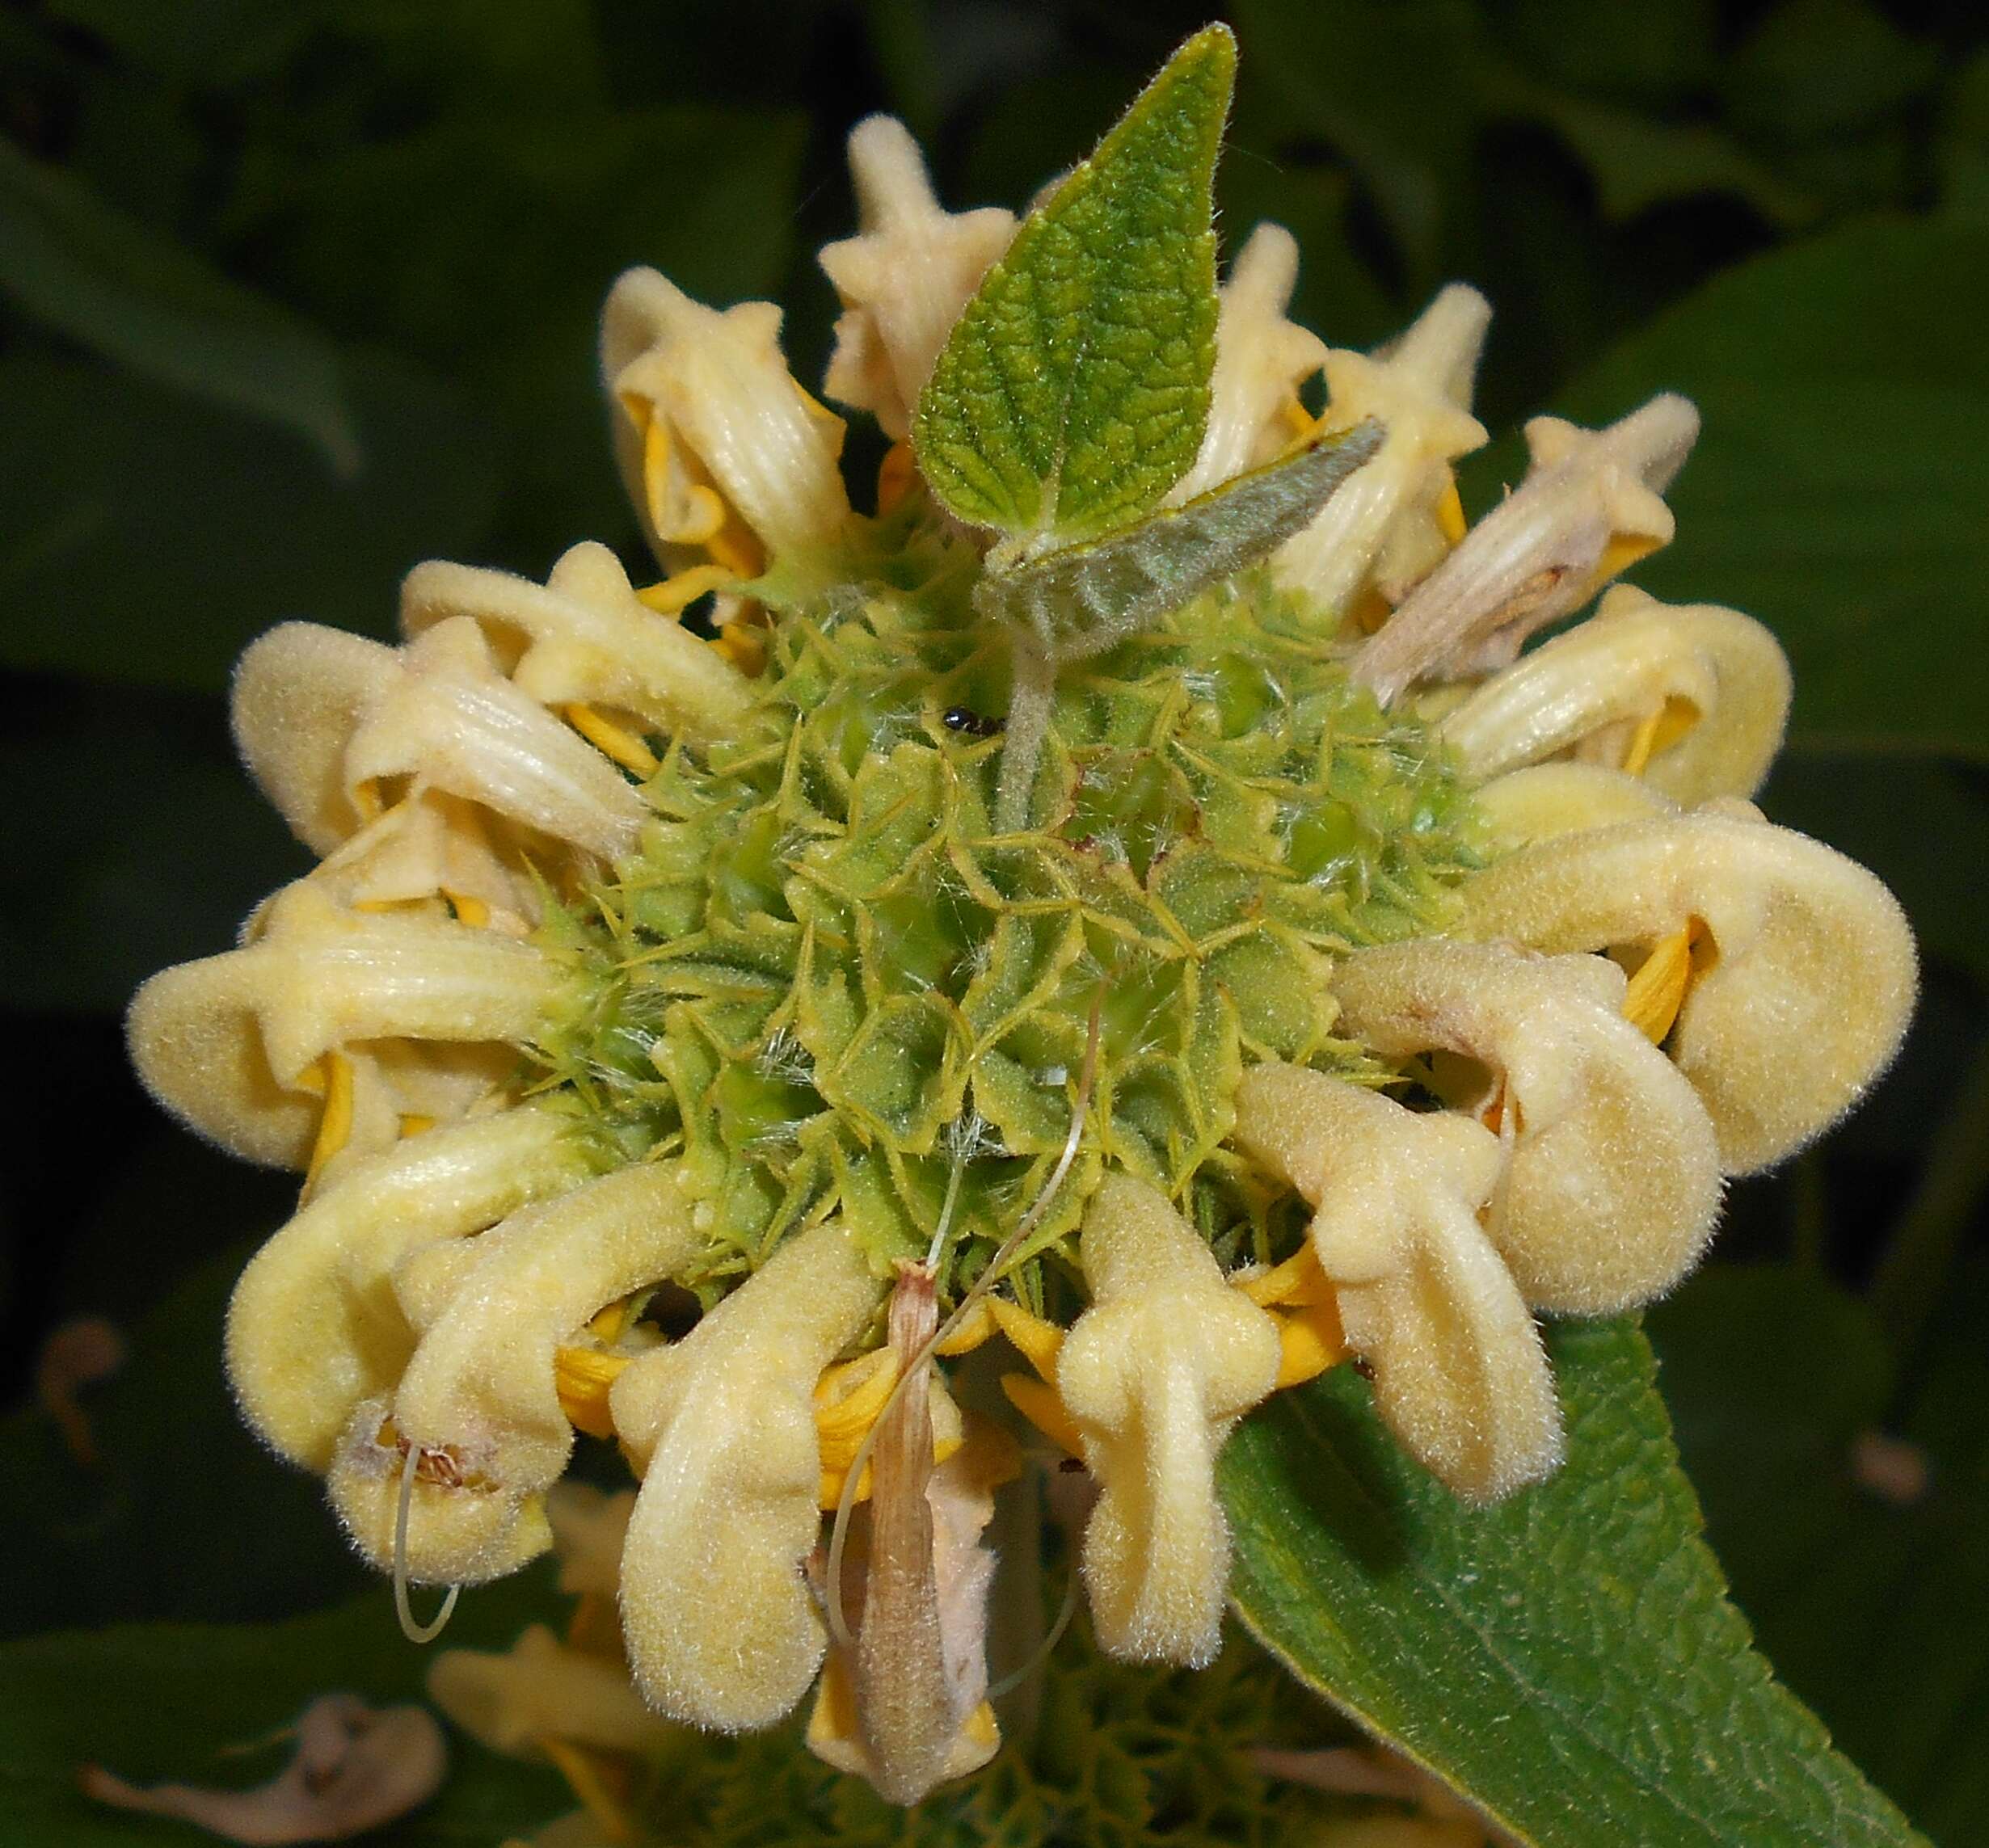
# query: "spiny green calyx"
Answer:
x=827 y=981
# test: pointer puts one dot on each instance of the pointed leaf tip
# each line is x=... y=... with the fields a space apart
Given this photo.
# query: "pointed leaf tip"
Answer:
x=1073 y=391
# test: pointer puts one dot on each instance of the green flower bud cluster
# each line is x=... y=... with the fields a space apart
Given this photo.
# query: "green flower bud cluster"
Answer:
x=827 y=981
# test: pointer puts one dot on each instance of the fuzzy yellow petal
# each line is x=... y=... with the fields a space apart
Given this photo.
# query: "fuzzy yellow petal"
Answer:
x=1591 y=504
x=450 y=720
x=314 y=1326
x=721 y=1630
x=480 y=1389
x=709 y=422
x=1400 y=1199
x=1719 y=677
x=229 y=1044
x=585 y=636
x=1613 y=1186
x=1544 y=799
x=905 y=276
x=1811 y=976
x=1385 y=526
x=300 y=692
x=1154 y=1374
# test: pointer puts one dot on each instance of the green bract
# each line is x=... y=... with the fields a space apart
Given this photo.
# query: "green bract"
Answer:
x=828 y=978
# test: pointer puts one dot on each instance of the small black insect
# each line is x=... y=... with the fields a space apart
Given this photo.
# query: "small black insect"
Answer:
x=974 y=724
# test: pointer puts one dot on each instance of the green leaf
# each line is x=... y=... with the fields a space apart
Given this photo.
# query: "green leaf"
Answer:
x=1073 y=391
x=106 y=281
x=138 y=842
x=1837 y=491
x=1639 y=161
x=171 y=1701
x=1817 y=68
x=1567 y=1659
x=144 y=536
x=1874 y=1604
x=1079 y=601
x=182 y=1514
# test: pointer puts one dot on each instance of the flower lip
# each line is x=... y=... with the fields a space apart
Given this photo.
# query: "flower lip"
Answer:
x=228 y=1044
x=480 y=1386
x=313 y=1327
x=1613 y=1185
x=1809 y=979
x=1398 y=516
x=904 y=278
x=1622 y=675
x=1400 y=1201
x=1540 y=800
x=721 y=1631
x=1591 y=504
x=1154 y=1374
x=585 y=636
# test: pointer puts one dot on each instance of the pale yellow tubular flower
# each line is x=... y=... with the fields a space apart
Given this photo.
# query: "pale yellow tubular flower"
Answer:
x=1154 y=1374
x=1391 y=521
x=435 y=852
x=324 y=726
x=585 y=638
x=1612 y=1184
x=1693 y=698
x=1262 y=358
x=905 y=276
x=589 y=1526
x=246 y=1048
x=450 y=720
x=1399 y=1201
x=1798 y=975
x=1544 y=799
x=1591 y=505
x=721 y=1630
x=476 y=1416
x=314 y=1327
x=540 y=1691
x=300 y=692
x=720 y=448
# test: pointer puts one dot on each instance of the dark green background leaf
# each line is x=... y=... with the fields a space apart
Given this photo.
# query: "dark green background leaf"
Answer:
x=1838 y=490
x=1875 y=1607
x=140 y=300
x=171 y=1701
x=146 y=536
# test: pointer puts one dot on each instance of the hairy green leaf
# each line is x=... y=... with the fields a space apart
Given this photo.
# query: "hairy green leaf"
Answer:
x=1567 y=1659
x=1073 y=392
x=106 y=281
x=1081 y=600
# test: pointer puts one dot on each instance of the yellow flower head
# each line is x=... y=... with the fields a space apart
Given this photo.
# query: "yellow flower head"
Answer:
x=1178 y=955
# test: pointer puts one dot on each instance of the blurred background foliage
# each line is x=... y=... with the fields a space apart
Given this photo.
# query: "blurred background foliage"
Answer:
x=294 y=293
